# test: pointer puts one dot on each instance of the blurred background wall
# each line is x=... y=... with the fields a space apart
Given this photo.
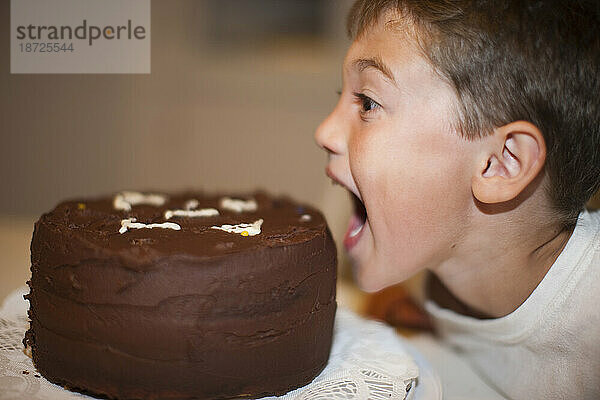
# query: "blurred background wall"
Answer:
x=236 y=91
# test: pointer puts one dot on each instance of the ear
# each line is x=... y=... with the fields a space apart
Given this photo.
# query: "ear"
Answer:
x=513 y=156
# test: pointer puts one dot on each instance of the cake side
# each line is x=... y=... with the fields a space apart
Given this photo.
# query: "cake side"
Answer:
x=245 y=319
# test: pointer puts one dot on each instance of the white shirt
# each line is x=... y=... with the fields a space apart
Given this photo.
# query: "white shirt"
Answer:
x=549 y=347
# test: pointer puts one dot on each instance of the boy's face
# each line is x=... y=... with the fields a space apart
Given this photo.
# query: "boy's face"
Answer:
x=391 y=144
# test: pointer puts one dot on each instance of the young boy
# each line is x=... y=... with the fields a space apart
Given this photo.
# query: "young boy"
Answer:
x=468 y=133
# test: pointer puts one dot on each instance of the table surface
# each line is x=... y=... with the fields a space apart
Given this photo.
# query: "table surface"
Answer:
x=459 y=381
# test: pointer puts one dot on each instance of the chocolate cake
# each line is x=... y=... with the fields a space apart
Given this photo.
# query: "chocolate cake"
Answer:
x=181 y=296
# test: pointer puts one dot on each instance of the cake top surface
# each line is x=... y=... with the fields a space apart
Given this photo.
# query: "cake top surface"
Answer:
x=146 y=225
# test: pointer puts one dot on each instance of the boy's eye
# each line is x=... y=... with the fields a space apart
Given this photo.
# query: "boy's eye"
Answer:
x=367 y=104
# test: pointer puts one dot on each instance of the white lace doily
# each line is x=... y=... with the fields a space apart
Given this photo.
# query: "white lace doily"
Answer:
x=368 y=361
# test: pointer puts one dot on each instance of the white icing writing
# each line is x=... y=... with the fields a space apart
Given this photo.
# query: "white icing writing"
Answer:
x=243 y=229
x=305 y=217
x=130 y=223
x=238 y=205
x=204 y=212
x=126 y=199
x=191 y=204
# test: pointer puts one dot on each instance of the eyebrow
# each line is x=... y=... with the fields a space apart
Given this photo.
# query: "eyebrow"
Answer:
x=377 y=63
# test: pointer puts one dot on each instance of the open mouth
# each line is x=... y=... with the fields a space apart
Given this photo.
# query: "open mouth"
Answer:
x=356 y=224
x=360 y=212
x=359 y=216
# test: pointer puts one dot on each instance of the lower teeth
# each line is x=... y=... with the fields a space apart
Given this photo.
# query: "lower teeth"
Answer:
x=356 y=230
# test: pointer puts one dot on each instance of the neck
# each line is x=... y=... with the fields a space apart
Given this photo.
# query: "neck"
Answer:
x=494 y=272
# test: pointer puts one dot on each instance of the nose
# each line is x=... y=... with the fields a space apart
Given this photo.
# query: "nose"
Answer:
x=330 y=135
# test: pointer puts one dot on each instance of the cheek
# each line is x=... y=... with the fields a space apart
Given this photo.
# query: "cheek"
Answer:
x=419 y=191
x=368 y=158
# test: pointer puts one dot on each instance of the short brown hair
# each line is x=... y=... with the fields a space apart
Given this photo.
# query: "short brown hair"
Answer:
x=517 y=60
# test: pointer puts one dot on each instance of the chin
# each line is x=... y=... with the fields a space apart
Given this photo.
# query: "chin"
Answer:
x=370 y=287
x=370 y=278
x=368 y=281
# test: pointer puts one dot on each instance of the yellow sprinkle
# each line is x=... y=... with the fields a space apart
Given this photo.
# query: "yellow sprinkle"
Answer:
x=244 y=233
x=80 y=206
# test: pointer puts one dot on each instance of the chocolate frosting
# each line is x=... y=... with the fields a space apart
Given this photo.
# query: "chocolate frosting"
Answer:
x=181 y=314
